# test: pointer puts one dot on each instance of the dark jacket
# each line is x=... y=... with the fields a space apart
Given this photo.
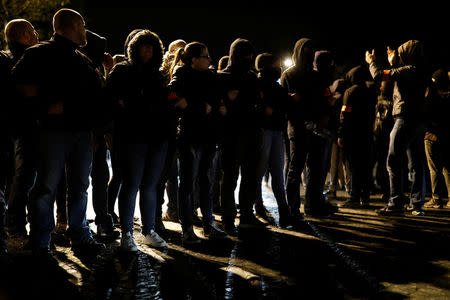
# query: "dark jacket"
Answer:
x=276 y=97
x=139 y=94
x=297 y=79
x=245 y=110
x=61 y=74
x=409 y=80
x=437 y=107
x=198 y=88
x=357 y=113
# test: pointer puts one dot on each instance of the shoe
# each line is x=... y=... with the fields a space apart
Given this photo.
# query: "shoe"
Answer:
x=364 y=203
x=127 y=242
x=88 y=248
x=262 y=212
x=350 y=204
x=189 y=237
x=230 y=228
x=107 y=231
x=213 y=232
x=196 y=220
x=250 y=221
x=170 y=215
x=154 y=240
x=434 y=204
x=44 y=257
x=416 y=210
x=115 y=218
x=17 y=231
x=330 y=207
x=331 y=194
x=390 y=211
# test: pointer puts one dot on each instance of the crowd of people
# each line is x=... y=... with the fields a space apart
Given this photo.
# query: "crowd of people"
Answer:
x=173 y=123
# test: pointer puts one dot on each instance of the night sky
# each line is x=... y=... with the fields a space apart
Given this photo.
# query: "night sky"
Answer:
x=345 y=29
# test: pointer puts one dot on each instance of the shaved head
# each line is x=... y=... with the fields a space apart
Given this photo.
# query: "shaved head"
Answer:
x=20 y=31
x=65 y=18
x=70 y=24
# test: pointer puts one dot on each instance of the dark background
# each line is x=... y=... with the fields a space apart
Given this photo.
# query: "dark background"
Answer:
x=346 y=29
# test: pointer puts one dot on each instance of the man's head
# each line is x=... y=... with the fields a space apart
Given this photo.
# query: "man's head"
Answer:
x=21 y=31
x=70 y=24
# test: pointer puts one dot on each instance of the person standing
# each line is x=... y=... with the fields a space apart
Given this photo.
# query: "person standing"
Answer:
x=138 y=91
x=62 y=90
x=408 y=75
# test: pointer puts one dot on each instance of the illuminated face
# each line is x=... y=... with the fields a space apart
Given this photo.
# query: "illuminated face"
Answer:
x=145 y=53
x=31 y=35
x=202 y=62
x=80 y=32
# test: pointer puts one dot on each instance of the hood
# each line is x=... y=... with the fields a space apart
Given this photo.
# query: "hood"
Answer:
x=95 y=47
x=301 y=59
x=128 y=40
x=411 y=53
x=239 y=50
x=338 y=88
x=357 y=75
x=146 y=37
x=323 y=61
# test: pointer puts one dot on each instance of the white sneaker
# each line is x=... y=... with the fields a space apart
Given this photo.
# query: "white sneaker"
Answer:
x=154 y=240
x=127 y=242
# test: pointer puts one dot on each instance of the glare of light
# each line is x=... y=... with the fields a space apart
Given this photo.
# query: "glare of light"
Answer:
x=287 y=62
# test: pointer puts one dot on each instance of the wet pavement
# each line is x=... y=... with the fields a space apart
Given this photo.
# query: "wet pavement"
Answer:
x=352 y=255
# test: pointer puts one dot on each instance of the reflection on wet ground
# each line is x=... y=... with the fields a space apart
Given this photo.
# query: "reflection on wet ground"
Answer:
x=354 y=254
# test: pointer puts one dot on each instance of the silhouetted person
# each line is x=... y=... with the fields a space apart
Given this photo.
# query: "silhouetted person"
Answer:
x=356 y=134
x=198 y=85
x=20 y=34
x=406 y=140
x=437 y=140
x=138 y=91
x=62 y=90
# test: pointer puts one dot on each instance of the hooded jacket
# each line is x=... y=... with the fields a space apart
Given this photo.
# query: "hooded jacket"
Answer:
x=297 y=79
x=60 y=73
x=409 y=80
x=358 y=108
x=138 y=92
x=245 y=110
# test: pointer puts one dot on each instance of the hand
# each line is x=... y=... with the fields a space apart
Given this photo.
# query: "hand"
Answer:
x=181 y=103
x=56 y=108
x=208 y=109
x=391 y=55
x=107 y=62
x=223 y=110
x=370 y=56
x=232 y=95
x=340 y=142
x=269 y=111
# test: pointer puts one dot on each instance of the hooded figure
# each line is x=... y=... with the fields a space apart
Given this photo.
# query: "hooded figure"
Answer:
x=297 y=80
x=409 y=83
x=95 y=48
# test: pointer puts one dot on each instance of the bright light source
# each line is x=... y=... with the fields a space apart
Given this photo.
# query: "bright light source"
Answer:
x=287 y=62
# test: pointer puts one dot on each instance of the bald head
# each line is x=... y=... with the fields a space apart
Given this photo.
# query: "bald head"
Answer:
x=70 y=24
x=21 y=31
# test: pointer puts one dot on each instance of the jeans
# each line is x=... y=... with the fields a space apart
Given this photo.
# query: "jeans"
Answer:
x=297 y=154
x=272 y=159
x=339 y=169
x=240 y=152
x=141 y=165
x=438 y=159
x=55 y=149
x=22 y=182
x=406 y=141
x=100 y=178
x=196 y=161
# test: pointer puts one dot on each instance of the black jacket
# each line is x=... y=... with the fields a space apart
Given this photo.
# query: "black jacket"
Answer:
x=60 y=73
x=297 y=79
x=198 y=88
x=409 y=80
x=358 y=108
x=245 y=110
x=139 y=95
x=276 y=97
